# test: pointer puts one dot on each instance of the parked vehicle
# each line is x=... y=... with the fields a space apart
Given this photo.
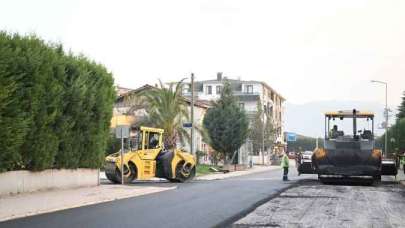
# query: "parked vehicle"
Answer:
x=304 y=163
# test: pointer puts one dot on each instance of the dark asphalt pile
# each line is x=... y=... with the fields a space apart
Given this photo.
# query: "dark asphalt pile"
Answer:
x=316 y=205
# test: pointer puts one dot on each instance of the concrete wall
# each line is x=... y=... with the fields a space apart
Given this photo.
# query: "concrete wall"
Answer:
x=258 y=159
x=26 y=181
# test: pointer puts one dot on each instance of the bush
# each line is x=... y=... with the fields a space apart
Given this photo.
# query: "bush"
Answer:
x=55 y=108
x=396 y=138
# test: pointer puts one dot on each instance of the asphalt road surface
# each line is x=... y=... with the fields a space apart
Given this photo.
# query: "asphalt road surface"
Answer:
x=194 y=204
x=311 y=204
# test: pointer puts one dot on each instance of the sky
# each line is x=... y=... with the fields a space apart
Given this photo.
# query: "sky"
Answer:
x=306 y=50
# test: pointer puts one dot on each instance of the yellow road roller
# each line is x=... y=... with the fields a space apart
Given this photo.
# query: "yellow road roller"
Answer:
x=146 y=158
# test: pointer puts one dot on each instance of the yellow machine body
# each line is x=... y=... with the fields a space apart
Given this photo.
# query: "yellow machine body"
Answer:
x=147 y=159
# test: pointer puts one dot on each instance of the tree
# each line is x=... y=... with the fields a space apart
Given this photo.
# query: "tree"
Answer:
x=55 y=108
x=396 y=133
x=269 y=132
x=167 y=109
x=256 y=132
x=226 y=124
x=12 y=118
x=261 y=132
x=396 y=138
x=401 y=108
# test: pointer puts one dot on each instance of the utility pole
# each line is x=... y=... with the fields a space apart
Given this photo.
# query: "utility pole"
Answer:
x=386 y=119
x=122 y=155
x=263 y=140
x=192 y=115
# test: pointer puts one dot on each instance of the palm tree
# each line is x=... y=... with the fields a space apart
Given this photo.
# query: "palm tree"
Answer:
x=166 y=109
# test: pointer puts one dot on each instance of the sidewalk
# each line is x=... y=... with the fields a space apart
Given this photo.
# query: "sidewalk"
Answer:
x=220 y=176
x=22 y=205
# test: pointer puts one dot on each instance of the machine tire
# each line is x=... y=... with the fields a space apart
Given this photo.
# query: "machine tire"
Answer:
x=111 y=177
x=182 y=173
x=131 y=175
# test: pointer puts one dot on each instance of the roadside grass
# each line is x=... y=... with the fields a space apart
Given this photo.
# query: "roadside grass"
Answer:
x=203 y=169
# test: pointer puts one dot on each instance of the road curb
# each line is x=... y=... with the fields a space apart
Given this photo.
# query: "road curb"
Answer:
x=221 y=176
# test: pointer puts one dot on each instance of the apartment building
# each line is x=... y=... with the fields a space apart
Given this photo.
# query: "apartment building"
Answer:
x=248 y=92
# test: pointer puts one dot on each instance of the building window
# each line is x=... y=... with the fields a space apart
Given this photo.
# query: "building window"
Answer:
x=219 y=89
x=209 y=90
x=242 y=106
x=248 y=88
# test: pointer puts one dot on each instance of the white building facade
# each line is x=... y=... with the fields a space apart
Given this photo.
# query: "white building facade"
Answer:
x=248 y=94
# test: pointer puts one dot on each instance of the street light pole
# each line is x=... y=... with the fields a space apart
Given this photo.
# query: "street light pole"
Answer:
x=386 y=114
x=386 y=119
x=192 y=115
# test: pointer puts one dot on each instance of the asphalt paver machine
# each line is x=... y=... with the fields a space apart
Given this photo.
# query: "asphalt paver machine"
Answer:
x=350 y=155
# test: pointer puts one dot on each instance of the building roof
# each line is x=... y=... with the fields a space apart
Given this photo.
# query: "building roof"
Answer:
x=122 y=90
x=198 y=103
x=134 y=91
x=349 y=114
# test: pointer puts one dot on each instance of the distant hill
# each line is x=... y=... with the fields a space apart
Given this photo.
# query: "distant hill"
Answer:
x=307 y=119
x=303 y=143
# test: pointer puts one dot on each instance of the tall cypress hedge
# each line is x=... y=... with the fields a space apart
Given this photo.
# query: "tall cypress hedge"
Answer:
x=55 y=107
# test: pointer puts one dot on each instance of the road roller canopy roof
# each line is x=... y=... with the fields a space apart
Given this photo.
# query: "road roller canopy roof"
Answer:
x=349 y=114
x=359 y=120
x=151 y=129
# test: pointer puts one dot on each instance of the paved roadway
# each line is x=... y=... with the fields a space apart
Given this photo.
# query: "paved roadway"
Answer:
x=195 y=204
x=350 y=204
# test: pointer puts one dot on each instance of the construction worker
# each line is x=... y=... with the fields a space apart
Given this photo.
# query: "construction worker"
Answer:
x=285 y=165
x=334 y=132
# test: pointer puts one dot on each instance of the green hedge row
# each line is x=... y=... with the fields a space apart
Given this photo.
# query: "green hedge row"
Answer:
x=396 y=138
x=55 y=108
